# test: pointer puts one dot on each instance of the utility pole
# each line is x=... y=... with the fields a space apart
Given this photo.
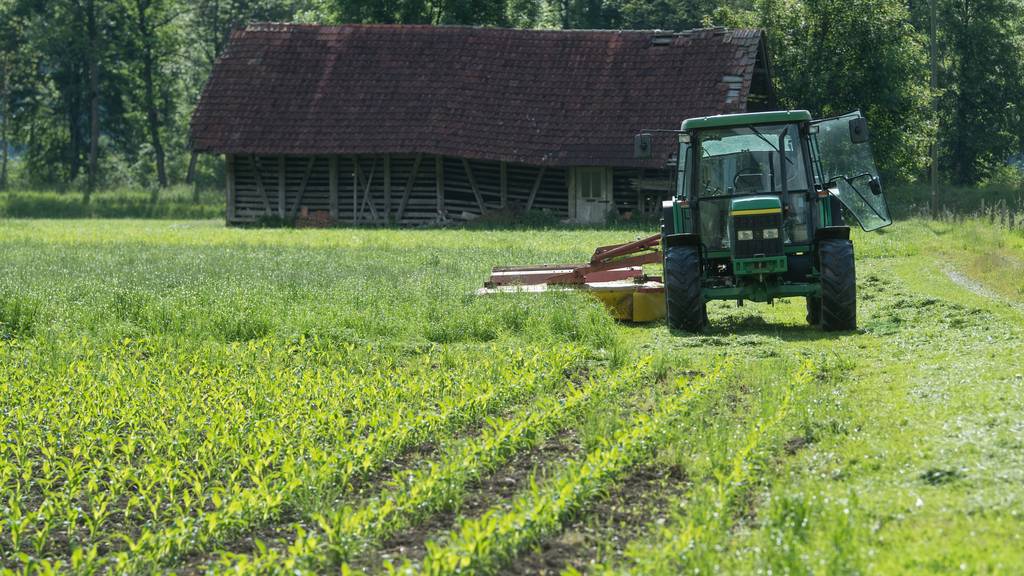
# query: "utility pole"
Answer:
x=932 y=50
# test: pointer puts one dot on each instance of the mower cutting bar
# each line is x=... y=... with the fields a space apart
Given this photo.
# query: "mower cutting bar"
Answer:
x=615 y=275
x=608 y=264
x=531 y=276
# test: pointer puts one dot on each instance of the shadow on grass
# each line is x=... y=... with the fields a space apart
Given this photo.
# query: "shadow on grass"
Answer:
x=732 y=327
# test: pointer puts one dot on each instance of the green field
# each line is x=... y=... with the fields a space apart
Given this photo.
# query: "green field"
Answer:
x=180 y=397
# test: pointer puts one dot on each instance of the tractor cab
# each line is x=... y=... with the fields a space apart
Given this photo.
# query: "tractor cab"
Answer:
x=757 y=195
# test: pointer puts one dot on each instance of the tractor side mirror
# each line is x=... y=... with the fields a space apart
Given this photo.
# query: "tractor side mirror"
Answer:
x=875 y=185
x=643 y=146
x=859 y=130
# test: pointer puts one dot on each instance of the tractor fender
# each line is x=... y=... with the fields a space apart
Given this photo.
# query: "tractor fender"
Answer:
x=832 y=233
x=681 y=240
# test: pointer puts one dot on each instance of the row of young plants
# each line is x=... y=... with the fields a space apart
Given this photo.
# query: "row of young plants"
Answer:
x=130 y=456
x=440 y=485
x=704 y=515
x=482 y=544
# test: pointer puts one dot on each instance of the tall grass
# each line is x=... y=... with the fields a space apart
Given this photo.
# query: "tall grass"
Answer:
x=176 y=202
x=998 y=203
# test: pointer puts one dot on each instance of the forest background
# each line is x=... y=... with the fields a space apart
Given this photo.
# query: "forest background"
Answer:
x=97 y=94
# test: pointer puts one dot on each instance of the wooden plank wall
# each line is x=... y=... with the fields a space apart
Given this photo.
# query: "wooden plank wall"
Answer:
x=410 y=189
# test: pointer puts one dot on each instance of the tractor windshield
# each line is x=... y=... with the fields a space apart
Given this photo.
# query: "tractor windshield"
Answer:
x=750 y=160
x=747 y=160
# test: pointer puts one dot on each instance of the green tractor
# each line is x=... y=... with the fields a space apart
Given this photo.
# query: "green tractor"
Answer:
x=758 y=214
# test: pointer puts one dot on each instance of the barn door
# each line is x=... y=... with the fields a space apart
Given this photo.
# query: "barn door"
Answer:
x=593 y=192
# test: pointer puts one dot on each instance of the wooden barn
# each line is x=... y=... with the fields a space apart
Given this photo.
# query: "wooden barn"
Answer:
x=392 y=124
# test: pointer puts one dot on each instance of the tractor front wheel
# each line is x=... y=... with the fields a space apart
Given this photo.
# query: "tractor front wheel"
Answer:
x=684 y=300
x=838 y=285
x=813 y=310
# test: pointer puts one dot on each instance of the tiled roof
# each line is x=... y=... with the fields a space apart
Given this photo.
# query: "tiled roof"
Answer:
x=530 y=96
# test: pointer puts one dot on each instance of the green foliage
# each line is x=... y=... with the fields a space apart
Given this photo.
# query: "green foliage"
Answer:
x=176 y=202
x=983 y=86
x=150 y=58
x=834 y=56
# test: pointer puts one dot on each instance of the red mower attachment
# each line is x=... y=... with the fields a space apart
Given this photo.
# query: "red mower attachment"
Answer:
x=614 y=274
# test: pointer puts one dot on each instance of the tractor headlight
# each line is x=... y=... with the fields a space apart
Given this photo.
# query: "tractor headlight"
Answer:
x=744 y=234
x=771 y=233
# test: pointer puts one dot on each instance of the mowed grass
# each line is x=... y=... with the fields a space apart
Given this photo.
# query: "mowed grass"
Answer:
x=180 y=397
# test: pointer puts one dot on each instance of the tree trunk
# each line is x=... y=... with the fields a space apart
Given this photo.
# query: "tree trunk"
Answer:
x=154 y=122
x=76 y=141
x=94 y=99
x=4 y=121
x=152 y=114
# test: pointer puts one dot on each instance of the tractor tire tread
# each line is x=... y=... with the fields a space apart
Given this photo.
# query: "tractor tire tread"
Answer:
x=838 y=285
x=685 y=308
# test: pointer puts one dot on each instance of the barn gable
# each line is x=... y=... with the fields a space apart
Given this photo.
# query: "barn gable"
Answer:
x=374 y=123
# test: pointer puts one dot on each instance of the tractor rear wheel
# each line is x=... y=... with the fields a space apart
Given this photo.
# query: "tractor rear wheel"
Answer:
x=838 y=285
x=684 y=300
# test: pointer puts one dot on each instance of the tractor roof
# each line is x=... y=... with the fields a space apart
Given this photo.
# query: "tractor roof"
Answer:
x=726 y=120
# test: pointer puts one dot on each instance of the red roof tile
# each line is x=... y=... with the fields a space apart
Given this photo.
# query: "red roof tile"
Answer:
x=530 y=96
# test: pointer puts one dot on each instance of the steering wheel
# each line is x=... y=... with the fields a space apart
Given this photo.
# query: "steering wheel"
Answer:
x=744 y=174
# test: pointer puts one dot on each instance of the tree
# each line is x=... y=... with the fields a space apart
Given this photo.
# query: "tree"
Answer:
x=92 y=57
x=982 y=86
x=152 y=40
x=833 y=56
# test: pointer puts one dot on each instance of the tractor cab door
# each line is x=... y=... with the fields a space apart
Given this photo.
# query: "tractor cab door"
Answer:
x=843 y=164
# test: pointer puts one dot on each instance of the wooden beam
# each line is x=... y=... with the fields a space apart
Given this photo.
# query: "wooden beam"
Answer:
x=281 y=183
x=536 y=186
x=366 y=187
x=504 y=184
x=333 y=185
x=260 y=188
x=639 y=191
x=472 y=184
x=302 y=186
x=570 y=183
x=357 y=185
x=229 y=171
x=387 y=188
x=408 y=187
x=439 y=180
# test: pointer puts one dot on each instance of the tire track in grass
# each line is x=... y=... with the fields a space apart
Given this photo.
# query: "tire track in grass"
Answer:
x=419 y=493
x=483 y=544
x=249 y=508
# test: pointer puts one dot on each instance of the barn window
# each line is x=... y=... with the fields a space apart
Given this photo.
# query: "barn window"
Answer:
x=591 y=183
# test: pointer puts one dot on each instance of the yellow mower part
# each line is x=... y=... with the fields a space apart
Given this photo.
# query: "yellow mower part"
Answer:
x=632 y=303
